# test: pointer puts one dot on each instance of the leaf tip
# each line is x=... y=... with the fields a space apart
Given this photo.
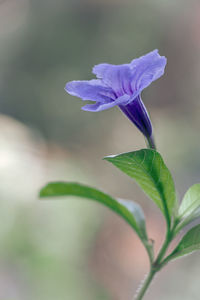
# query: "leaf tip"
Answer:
x=109 y=157
x=43 y=191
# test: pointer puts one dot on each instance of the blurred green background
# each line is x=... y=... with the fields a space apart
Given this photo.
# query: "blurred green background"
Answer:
x=73 y=249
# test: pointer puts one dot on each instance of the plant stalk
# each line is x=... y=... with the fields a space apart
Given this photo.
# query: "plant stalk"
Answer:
x=163 y=249
x=146 y=284
x=155 y=266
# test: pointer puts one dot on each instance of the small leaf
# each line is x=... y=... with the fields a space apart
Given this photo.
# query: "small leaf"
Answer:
x=190 y=202
x=129 y=211
x=148 y=169
x=189 y=243
x=189 y=209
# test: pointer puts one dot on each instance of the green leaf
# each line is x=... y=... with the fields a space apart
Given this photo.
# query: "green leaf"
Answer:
x=129 y=211
x=190 y=202
x=189 y=243
x=147 y=167
x=189 y=209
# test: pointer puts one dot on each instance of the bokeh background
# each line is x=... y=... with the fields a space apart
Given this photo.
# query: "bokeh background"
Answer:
x=74 y=249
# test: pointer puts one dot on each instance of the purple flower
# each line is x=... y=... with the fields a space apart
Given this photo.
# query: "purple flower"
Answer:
x=122 y=85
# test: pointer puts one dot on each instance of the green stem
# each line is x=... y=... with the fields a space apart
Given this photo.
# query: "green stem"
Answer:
x=145 y=285
x=169 y=237
x=174 y=232
x=164 y=248
x=156 y=265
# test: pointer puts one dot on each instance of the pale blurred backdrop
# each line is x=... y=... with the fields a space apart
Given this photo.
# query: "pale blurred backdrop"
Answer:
x=74 y=249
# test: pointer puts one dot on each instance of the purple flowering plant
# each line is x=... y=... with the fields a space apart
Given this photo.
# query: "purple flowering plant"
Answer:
x=121 y=85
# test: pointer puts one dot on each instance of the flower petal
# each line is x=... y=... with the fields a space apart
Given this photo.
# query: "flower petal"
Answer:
x=123 y=100
x=118 y=77
x=93 y=90
x=146 y=69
